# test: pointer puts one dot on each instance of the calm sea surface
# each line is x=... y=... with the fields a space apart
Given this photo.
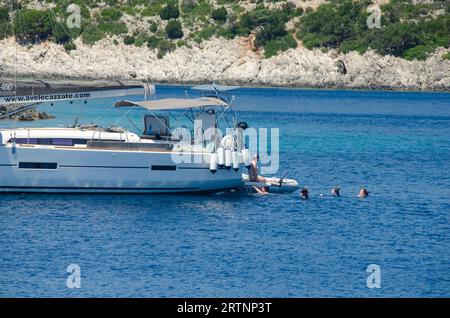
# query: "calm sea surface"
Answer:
x=396 y=144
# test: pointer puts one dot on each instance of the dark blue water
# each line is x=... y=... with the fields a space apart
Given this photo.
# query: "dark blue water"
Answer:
x=395 y=144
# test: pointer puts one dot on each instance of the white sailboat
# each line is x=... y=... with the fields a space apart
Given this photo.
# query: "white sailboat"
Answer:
x=90 y=159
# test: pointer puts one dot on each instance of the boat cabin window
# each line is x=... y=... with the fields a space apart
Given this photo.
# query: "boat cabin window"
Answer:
x=51 y=141
x=156 y=126
x=38 y=165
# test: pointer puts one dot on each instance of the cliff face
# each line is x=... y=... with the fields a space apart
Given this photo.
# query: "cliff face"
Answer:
x=226 y=61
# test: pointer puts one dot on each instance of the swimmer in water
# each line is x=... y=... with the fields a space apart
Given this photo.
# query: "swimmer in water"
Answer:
x=304 y=193
x=335 y=192
x=363 y=193
x=262 y=191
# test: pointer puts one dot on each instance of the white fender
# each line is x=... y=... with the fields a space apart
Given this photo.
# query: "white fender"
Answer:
x=228 y=159
x=213 y=162
x=240 y=159
x=234 y=157
x=221 y=156
x=246 y=157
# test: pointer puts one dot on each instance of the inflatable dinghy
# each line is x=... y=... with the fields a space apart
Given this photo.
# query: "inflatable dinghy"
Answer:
x=275 y=185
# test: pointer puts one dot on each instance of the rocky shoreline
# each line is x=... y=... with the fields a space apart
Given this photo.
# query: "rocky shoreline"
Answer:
x=227 y=62
x=28 y=115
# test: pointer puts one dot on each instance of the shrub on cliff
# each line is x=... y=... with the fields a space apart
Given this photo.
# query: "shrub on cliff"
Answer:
x=153 y=27
x=290 y=9
x=407 y=30
x=278 y=45
x=419 y=52
x=33 y=25
x=91 y=34
x=332 y=24
x=164 y=47
x=4 y=14
x=5 y=26
x=395 y=39
x=69 y=46
x=174 y=30
x=5 y=30
x=269 y=26
x=60 y=33
x=128 y=40
x=220 y=14
x=170 y=11
x=195 y=12
x=112 y=14
x=152 y=42
x=39 y=25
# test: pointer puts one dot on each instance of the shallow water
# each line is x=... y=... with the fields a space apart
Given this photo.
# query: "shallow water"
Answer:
x=396 y=144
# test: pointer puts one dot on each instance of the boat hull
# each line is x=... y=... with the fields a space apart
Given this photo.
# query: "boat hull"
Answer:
x=41 y=169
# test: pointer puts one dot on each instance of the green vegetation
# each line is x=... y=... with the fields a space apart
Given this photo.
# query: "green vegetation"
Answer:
x=5 y=25
x=153 y=42
x=197 y=13
x=164 y=47
x=111 y=14
x=170 y=11
x=91 y=34
x=174 y=29
x=407 y=30
x=4 y=14
x=32 y=26
x=108 y=22
x=446 y=56
x=269 y=28
x=69 y=46
x=128 y=40
x=410 y=31
x=273 y=47
x=153 y=27
x=140 y=39
x=220 y=14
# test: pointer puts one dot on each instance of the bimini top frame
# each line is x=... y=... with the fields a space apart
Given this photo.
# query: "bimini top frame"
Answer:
x=174 y=103
x=186 y=104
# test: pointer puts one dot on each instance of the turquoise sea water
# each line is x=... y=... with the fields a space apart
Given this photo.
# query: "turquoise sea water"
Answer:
x=396 y=144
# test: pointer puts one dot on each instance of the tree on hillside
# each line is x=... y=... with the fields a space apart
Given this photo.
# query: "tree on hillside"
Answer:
x=174 y=30
x=33 y=25
x=170 y=11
